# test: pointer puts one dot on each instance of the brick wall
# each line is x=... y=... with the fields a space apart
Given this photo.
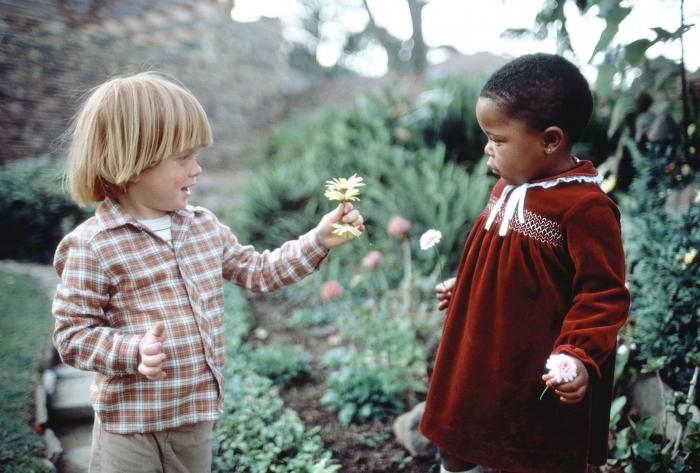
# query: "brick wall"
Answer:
x=53 y=52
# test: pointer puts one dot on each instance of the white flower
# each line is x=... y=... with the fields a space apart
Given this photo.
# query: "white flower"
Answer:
x=430 y=238
x=562 y=368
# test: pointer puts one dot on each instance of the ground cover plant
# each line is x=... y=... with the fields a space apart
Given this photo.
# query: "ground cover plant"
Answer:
x=25 y=328
x=256 y=433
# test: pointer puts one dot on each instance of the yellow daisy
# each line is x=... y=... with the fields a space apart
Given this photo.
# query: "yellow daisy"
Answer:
x=343 y=189
x=346 y=231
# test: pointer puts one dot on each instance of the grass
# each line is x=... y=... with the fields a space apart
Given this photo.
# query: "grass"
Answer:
x=25 y=325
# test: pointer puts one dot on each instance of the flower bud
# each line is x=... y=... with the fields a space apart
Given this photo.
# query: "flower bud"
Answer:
x=331 y=290
x=398 y=226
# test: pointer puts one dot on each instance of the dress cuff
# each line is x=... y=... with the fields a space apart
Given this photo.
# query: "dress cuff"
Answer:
x=579 y=353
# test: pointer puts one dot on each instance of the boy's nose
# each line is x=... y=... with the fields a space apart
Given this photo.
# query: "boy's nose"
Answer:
x=196 y=170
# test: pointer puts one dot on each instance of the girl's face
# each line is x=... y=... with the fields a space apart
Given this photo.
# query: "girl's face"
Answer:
x=163 y=188
x=515 y=151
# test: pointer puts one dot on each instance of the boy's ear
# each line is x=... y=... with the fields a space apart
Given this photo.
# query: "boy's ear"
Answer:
x=134 y=179
x=553 y=139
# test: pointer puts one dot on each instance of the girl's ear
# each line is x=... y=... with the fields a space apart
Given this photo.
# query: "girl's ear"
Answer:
x=553 y=139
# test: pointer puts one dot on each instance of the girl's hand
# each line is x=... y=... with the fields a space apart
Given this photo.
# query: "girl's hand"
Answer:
x=343 y=214
x=443 y=292
x=574 y=391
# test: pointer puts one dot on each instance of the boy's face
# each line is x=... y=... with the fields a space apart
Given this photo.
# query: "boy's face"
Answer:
x=515 y=151
x=163 y=188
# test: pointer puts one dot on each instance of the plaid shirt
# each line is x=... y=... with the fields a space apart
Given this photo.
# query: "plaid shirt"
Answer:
x=118 y=279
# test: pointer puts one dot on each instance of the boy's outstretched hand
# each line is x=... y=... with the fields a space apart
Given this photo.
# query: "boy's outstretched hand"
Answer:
x=574 y=391
x=151 y=354
x=443 y=292
x=343 y=214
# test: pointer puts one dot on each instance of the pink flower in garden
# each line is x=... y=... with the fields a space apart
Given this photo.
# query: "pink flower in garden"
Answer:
x=429 y=239
x=372 y=259
x=398 y=226
x=331 y=290
x=562 y=368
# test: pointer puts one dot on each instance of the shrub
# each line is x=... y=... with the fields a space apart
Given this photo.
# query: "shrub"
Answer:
x=383 y=140
x=25 y=328
x=279 y=363
x=661 y=243
x=255 y=432
x=35 y=211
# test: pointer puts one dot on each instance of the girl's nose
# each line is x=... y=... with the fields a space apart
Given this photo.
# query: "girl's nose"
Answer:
x=487 y=148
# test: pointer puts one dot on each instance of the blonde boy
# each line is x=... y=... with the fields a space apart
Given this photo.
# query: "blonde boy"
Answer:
x=140 y=300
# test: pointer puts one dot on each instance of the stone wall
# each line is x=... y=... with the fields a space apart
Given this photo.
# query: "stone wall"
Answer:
x=54 y=51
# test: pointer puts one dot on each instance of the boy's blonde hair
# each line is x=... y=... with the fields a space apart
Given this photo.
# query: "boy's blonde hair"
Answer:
x=126 y=126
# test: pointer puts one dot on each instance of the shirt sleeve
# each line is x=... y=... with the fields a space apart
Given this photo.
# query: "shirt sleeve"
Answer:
x=270 y=270
x=600 y=300
x=82 y=334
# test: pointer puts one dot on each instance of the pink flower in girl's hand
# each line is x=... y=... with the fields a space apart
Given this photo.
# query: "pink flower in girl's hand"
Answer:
x=562 y=368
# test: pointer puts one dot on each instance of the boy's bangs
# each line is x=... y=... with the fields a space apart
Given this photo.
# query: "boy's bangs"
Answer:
x=184 y=127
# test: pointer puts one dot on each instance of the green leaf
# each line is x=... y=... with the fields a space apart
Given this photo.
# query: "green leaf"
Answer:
x=613 y=14
x=634 y=52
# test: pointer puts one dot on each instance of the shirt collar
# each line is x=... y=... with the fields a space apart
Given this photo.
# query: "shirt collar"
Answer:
x=110 y=214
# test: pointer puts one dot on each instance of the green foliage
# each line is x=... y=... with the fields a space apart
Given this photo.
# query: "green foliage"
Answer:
x=413 y=158
x=360 y=388
x=661 y=242
x=25 y=328
x=256 y=433
x=280 y=363
x=35 y=211
x=381 y=369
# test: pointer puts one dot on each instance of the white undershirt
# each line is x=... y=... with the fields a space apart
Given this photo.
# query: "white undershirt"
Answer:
x=161 y=227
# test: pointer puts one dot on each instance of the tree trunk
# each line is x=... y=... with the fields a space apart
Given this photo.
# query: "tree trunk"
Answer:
x=420 y=51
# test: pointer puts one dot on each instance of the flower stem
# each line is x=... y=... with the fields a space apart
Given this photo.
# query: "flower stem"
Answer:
x=543 y=391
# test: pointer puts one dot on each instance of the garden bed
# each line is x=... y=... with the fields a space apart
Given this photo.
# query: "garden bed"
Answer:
x=360 y=448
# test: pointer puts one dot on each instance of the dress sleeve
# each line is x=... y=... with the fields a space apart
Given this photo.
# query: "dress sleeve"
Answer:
x=82 y=334
x=600 y=300
x=270 y=270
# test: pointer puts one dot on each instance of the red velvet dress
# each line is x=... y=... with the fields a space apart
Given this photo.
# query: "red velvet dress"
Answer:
x=548 y=280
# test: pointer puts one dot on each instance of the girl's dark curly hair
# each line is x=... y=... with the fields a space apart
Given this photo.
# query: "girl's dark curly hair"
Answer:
x=543 y=90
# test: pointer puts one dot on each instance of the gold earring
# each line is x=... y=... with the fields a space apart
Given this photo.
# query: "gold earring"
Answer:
x=548 y=150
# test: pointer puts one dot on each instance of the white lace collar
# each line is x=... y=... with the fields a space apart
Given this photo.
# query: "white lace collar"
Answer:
x=516 y=200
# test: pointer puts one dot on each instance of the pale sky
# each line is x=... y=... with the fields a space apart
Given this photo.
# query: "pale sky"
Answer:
x=475 y=25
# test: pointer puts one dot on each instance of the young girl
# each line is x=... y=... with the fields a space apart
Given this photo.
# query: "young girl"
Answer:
x=140 y=300
x=542 y=273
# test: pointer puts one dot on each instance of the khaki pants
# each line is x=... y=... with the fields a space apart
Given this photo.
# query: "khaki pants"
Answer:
x=186 y=449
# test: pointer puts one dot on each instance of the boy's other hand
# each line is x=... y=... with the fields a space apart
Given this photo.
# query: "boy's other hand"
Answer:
x=443 y=292
x=574 y=391
x=343 y=214
x=151 y=352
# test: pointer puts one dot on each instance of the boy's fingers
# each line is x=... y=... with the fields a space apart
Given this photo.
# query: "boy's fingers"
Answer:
x=153 y=360
x=158 y=329
x=152 y=348
x=149 y=371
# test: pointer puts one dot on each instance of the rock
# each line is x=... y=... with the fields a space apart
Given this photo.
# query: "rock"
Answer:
x=71 y=401
x=48 y=380
x=405 y=428
x=53 y=446
x=645 y=397
x=41 y=416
